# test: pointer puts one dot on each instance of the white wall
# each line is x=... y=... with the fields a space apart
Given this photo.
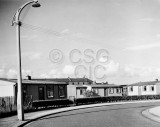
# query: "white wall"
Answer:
x=6 y=88
x=157 y=88
x=78 y=93
x=148 y=91
x=101 y=92
x=71 y=91
x=134 y=92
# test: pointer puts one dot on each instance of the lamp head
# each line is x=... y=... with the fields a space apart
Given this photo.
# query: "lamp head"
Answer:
x=35 y=1
x=36 y=4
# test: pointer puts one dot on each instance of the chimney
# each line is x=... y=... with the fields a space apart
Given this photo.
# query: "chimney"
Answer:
x=157 y=80
x=29 y=77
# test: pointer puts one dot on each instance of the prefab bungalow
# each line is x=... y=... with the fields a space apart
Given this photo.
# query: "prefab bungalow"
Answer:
x=108 y=90
x=44 y=89
x=77 y=91
x=36 y=89
x=144 y=88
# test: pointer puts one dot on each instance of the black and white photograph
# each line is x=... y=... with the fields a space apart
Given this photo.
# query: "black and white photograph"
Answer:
x=79 y=63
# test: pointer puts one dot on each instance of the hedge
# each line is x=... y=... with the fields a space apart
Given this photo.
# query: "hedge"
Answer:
x=80 y=101
x=90 y=100
x=51 y=103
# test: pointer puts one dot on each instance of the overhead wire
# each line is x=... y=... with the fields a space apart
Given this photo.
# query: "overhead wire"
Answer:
x=41 y=29
x=53 y=32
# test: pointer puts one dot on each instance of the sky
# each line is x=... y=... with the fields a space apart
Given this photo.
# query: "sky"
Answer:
x=126 y=33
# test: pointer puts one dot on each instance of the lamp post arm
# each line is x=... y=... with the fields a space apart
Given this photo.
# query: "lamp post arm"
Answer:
x=18 y=12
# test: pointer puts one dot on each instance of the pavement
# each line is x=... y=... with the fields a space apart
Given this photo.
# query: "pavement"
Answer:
x=152 y=113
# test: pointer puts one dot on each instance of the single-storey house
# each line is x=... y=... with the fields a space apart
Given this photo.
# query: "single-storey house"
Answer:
x=144 y=88
x=42 y=89
x=78 y=91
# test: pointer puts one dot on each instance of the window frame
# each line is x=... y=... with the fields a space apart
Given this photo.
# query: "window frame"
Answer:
x=118 y=90
x=131 y=88
x=61 y=89
x=144 y=88
x=152 y=88
x=51 y=86
x=111 y=90
x=81 y=91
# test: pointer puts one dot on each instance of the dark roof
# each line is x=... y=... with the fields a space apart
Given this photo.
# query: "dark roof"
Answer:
x=44 y=81
x=50 y=80
x=80 y=86
x=144 y=83
x=67 y=80
x=98 y=86
x=106 y=86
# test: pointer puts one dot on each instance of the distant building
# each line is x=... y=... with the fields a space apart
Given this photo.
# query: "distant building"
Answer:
x=78 y=91
x=143 y=88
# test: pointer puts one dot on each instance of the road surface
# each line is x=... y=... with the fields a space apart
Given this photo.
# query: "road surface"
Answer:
x=127 y=115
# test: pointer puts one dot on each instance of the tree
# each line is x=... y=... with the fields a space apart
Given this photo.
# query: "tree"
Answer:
x=90 y=93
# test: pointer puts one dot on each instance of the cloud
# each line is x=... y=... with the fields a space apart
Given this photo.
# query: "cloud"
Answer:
x=146 y=20
x=68 y=70
x=112 y=68
x=52 y=74
x=35 y=56
x=65 y=31
x=143 y=47
x=44 y=75
x=2 y=73
x=145 y=71
x=11 y=73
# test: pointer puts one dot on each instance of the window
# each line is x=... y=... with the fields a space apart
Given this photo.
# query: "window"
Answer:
x=95 y=90
x=152 y=88
x=131 y=88
x=81 y=91
x=61 y=91
x=118 y=90
x=50 y=91
x=124 y=89
x=111 y=90
x=145 y=88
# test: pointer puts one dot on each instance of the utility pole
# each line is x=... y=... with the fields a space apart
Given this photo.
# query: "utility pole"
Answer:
x=17 y=23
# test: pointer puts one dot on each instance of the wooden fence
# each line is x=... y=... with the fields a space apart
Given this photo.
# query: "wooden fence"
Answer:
x=9 y=104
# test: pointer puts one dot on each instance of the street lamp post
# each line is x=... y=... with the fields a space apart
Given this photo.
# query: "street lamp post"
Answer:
x=18 y=23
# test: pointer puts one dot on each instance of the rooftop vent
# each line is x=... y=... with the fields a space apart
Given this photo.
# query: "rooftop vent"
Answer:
x=29 y=77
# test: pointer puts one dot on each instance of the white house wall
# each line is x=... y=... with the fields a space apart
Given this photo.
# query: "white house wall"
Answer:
x=158 y=89
x=134 y=92
x=101 y=92
x=6 y=88
x=71 y=91
x=78 y=93
x=148 y=90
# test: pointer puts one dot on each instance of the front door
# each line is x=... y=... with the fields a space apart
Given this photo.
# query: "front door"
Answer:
x=41 y=93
